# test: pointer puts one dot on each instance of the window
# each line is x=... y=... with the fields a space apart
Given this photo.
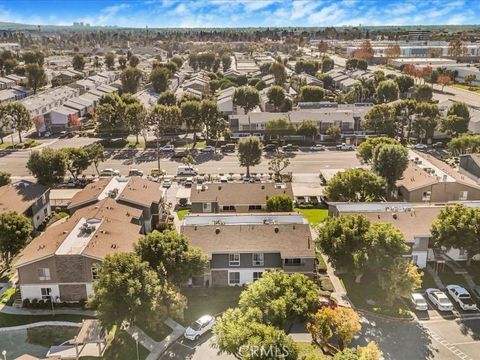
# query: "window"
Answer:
x=415 y=259
x=234 y=259
x=426 y=195
x=46 y=293
x=254 y=207
x=258 y=259
x=44 y=274
x=234 y=278
x=463 y=195
x=257 y=275
x=293 y=262
x=207 y=207
x=95 y=272
x=228 y=208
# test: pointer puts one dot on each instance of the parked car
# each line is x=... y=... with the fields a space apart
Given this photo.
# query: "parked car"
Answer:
x=167 y=148
x=187 y=170
x=167 y=183
x=208 y=149
x=189 y=181
x=317 y=147
x=223 y=179
x=200 y=327
x=419 y=302
x=438 y=145
x=109 y=172
x=439 y=299
x=135 y=172
x=420 y=146
x=270 y=148
x=462 y=297
x=228 y=148
x=345 y=147
x=290 y=147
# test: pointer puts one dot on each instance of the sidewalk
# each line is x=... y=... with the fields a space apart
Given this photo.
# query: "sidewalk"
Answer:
x=40 y=324
x=156 y=348
x=5 y=309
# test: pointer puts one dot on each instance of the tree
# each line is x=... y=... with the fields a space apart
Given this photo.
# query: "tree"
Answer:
x=456 y=48
x=78 y=62
x=351 y=64
x=454 y=125
x=5 y=178
x=390 y=161
x=457 y=227
x=423 y=93
x=33 y=57
x=36 y=77
x=276 y=96
x=279 y=128
x=335 y=132
x=426 y=119
x=326 y=79
x=177 y=60
x=167 y=98
x=459 y=109
x=369 y=352
x=322 y=47
x=356 y=185
x=405 y=112
x=162 y=118
x=188 y=160
x=133 y=61
x=343 y=240
x=171 y=255
x=110 y=114
x=128 y=289
x=380 y=119
x=159 y=79
x=110 y=60
x=365 y=149
x=277 y=69
x=20 y=119
x=401 y=279
x=209 y=116
x=47 y=166
x=249 y=152
x=131 y=78
x=242 y=335
x=281 y=298
x=310 y=93
x=246 y=97
x=327 y=64
x=277 y=164
x=77 y=160
x=404 y=83
x=341 y=321
x=135 y=118
x=15 y=232
x=465 y=144
x=393 y=51
x=387 y=91
x=122 y=62
x=362 y=64
x=280 y=203
x=190 y=112
x=469 y=79
x=444 y=80
x=386 y=244
x=308 y=128
x=96 y=154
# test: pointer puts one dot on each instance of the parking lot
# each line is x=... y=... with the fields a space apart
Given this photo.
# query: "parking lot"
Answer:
x=203 y=349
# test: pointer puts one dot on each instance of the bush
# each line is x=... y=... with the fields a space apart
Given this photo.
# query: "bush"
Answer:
x=280 y=203
x=325 y=283
x=26 y=303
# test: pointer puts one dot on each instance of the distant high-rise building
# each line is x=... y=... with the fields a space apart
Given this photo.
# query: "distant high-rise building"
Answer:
x=419 y=35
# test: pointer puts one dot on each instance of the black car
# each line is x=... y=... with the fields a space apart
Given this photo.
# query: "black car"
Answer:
x=270 y=148
x=228 y=148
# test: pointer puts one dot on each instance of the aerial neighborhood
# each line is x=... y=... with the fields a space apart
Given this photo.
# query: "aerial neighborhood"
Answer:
x=239 y=193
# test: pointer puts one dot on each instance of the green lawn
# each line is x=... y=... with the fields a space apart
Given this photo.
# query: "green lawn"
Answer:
x=313 y=216
x=309 y=351
x=51 y=335
x=24 y=145
x=202 y=301
x=427 y=281
x=466 y=87
x=7 y=320
x=449 y=278
x=122 y=347
x=369 y=296
x=199 y=145
x=7 y=294
x=181 y=213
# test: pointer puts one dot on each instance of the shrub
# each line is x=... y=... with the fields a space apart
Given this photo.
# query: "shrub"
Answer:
x=280 y=203
x=26 y=303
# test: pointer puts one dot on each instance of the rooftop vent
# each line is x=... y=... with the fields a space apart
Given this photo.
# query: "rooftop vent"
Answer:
x=276 y=230
x=217 y=231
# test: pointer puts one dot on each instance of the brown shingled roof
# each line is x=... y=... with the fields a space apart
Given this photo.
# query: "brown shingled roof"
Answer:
x=415 y=177
x=20 y=196
x=116 y=233
x=141 y=192
x=90 y=193
x=291 y=240
x=238 y=193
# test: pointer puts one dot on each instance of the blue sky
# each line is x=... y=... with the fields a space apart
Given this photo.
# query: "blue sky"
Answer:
x=238 y=13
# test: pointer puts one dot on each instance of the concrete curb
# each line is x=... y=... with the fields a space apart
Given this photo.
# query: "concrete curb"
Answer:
x=40 y=324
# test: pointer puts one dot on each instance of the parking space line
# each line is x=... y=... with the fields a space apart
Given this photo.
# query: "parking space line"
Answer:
x=467 y=342
x=451 y=347
x=188 y=347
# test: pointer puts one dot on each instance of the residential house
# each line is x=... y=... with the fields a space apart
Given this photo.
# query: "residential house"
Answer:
x=428 y=179
x=241 y=247
x=28 y=198
x=6 y=83
x=310 y=79
x=235 y=197
x=134 y=191
x=62 y=263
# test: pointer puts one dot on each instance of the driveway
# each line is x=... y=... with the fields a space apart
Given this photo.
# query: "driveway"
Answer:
x=203 y=349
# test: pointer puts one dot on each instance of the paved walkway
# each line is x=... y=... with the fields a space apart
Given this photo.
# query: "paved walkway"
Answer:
x=435 y=277
x=156 y=348
x=40 y=324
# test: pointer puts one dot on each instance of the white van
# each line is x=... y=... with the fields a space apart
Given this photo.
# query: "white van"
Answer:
x=187 y=170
